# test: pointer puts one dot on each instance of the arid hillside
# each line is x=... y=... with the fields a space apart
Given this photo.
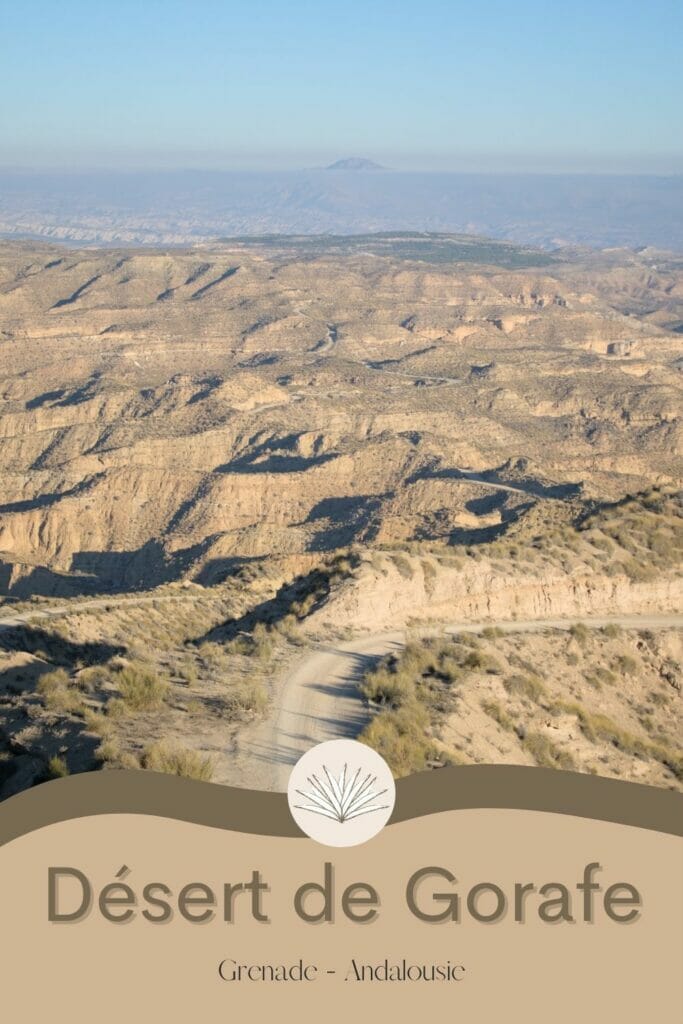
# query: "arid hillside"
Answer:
x=234 y=479
x=177 y=414
x=563 y=649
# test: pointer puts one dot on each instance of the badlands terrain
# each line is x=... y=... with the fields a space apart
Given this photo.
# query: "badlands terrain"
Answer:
x=421 y=488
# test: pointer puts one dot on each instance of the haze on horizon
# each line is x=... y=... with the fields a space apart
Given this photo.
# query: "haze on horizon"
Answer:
x=440 y=87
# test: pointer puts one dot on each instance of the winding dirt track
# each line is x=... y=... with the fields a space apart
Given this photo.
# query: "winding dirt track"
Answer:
x=317 y=699
x=39 y=614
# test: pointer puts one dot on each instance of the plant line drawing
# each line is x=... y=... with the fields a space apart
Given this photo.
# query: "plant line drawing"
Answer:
x=343 y=798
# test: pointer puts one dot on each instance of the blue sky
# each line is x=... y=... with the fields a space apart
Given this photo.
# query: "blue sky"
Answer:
x=425 y=85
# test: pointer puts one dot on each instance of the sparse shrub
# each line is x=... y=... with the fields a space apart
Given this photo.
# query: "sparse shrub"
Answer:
x=601 y=727
x=63 y=700
x=481 y=661
x=128 y=761
x=378 y=562
x=57 y=768
x=263 y=642
x=247 y=694
x=399 y=736
x=526 y=686
x=492 y=632
x=288 y=627
x=612 y=631
x=638 y=572
x=468 y=640
x=660 y=543
x=429 y=569
x=418 y=657
x=494 y=710
x=49 y=682
x=141 y=687
x=545 y=753
x=117 y=708
x=385 y=687
x=580 y=632
x=626 y=664
x=604 y=675
x=212 y=655
x=109 y=751
x=404 y=565
x=173 y=759
x=450 y=669
x=188 y=672
x=96 y=722
x=93 y=678
x=303 y=607
x=241 y=645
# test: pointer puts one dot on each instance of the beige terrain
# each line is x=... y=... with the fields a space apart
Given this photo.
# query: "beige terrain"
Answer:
x=215 y=463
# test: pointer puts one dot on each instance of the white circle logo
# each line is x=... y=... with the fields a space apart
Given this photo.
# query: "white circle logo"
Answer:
x=341 y=793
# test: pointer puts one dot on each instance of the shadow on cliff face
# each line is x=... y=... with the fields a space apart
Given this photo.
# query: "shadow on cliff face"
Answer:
x=56 y=649
x=32 y=734
x=298 y=598
x=511 y=477
x=103 y=572
x=341 y=521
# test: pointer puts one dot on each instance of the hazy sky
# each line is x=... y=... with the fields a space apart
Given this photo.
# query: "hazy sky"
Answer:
x=455 y=85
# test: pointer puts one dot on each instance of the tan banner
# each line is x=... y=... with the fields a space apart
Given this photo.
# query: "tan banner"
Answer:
x=470 y=914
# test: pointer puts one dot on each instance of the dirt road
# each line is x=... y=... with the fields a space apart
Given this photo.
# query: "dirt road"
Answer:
x=39 y=614
x=317 y=699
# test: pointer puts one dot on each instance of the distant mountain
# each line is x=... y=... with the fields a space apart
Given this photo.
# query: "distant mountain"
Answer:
x=189 y=207
x=355 y=163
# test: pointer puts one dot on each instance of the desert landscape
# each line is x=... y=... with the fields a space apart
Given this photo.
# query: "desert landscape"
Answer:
x=422 y=489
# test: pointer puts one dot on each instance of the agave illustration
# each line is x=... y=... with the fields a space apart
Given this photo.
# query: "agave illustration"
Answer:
x=342 y=798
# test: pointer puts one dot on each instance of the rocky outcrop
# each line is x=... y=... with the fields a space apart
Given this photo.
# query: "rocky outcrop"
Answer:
x=396 y=597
